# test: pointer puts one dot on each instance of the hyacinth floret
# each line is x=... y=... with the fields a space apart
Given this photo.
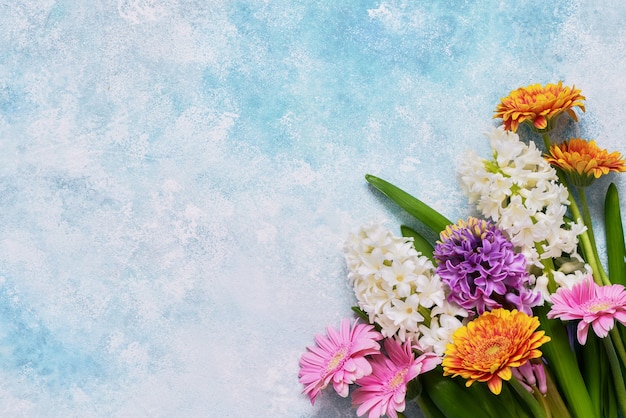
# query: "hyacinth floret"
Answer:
x=519 y=191
x=398 y=288
x=480 y=265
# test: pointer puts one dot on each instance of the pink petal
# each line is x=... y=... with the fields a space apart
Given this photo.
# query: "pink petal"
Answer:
x=398 y=399
x=398 y=353
x=602 y=325
x=428 y=361
x=373 y=404
x=391 y=412
x=345 y=331
x=334 y=338
x=324 y=343
x=620 y=316
x=342 y=389
x=581 y=332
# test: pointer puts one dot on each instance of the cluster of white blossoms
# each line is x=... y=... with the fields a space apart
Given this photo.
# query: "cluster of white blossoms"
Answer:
x=520 y=192
x=399 y=289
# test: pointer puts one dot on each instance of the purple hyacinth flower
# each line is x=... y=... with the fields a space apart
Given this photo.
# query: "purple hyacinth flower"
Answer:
x=480 y=265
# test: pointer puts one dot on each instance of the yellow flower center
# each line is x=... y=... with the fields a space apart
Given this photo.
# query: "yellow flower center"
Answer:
x=337 y=359
x=600 y=306
x=486 y=348
x=398 y=379
x=491 y=353
x=492 y=350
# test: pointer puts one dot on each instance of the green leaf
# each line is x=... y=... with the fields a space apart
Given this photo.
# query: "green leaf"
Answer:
x=424 y=213
x=413 y=389
x=564 y=366
x=428 y=407
x=454 y=400
x=609 y=407
x=615 y=248
x=421 y=244
x=363 y=315
x=528 y=399
x=593 y=366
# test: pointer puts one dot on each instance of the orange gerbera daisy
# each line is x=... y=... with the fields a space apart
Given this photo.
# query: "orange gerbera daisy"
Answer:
x=488 y=347
x=538 y=106
x=583 y=161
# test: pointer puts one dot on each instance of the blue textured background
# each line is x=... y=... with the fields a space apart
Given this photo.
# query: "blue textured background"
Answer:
x=177 y=178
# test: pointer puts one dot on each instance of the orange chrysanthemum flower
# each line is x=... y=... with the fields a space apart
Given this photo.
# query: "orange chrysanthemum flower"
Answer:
x=583 y=161
x=488 y=347
x=538 y=106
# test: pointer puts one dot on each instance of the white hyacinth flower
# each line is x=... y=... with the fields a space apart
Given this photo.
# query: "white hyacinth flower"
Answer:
x=397 y=287
x=445 y=319
x=519 y=190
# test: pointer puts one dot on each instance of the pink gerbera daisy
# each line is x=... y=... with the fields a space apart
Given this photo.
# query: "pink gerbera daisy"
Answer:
x=595 y=305
x=340 y=357
x=383 y=392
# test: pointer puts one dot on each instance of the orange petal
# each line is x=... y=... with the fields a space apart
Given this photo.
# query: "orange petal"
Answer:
x=505 y=373
x=540 y=122
x=495 y=385
x=573 y=114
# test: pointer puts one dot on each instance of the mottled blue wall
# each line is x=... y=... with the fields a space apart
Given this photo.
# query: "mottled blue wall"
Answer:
x=177 y=177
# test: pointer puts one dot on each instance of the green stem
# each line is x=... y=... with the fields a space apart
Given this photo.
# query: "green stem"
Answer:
x=554 y=399
x=618 y=381
x=609 y=403
x=564 y=365
x=586 y=214
x=618 y=344
x=546 y=141
x=535 y=408
x=542 y=401
x=599 y=276
x=586 y=217
x=593 y=366
x=548 y=269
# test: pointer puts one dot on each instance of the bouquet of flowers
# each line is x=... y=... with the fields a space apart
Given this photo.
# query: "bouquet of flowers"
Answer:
x=510 y=313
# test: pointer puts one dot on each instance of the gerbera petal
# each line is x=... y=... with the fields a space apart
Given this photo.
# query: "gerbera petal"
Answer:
x=540 y=122
x=620 y=316
x=367 y=402
x=486 y=348
x=532 y=103
x=495 y=385
x=573 y=115
x=602 y=325
x=581 y=332
x=333 y=358
x=583 y=161
x=384 y=390
x=341 y=388
x=598 y=306
x=505 y=374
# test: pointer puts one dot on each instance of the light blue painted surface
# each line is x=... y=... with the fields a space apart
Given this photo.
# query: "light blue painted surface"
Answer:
x=177 y=178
